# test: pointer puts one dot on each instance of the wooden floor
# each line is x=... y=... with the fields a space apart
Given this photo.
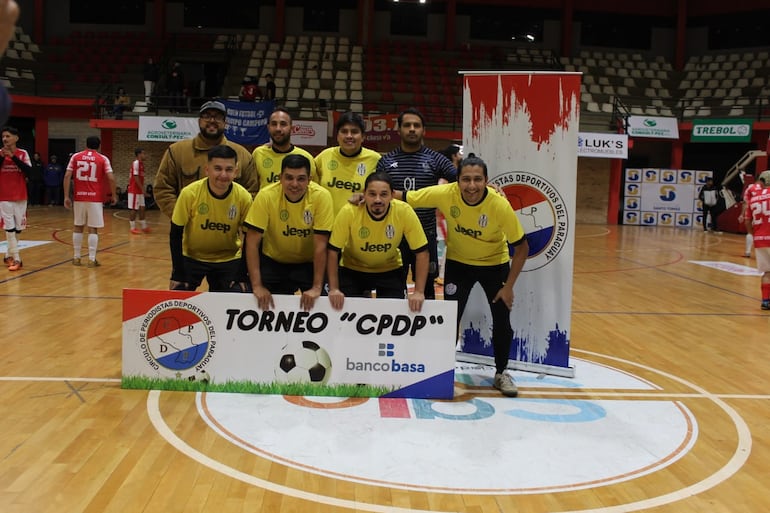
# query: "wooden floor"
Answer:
x=73 y=441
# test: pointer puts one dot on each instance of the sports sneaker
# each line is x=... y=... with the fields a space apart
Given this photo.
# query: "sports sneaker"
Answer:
x=76 y=262
x=146 y=230
x=766 y=304
x=8 y=261
x=15 y=266
x=136 y=231
x=93 y=263
x=504 y=383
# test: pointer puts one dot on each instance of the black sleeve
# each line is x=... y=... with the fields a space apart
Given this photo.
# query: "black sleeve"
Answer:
x=25 y=168
x=177 y=258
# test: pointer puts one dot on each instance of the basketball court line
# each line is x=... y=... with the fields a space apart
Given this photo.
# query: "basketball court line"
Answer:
x=738 y=459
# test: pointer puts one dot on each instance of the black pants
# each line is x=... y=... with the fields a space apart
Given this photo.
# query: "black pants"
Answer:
x=714 y=212
x=281 y=278
x=389 y=284
x=460 y=278
x=408 y=259
x=221 y=276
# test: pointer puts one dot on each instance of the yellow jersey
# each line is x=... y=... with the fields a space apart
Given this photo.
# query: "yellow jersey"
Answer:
x=212 y=226
x=371 y=245
x=343 y=175
x=476 y=234
x=268 y=163
x=287 y=228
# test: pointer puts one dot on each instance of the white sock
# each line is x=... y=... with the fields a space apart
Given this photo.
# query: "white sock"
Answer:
x=144 y=223
x=93 y=241
x=13 y=245
x=749 y=243
x=77 y=241
x=132 y=224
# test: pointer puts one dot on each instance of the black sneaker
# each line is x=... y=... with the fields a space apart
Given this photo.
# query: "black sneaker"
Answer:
x=766 y=304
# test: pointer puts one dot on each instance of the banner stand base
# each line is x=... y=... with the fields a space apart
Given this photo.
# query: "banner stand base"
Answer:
x=565 y=372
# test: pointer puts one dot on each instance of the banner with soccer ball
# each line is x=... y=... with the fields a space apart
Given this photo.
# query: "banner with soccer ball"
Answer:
x=223 y=342
x=525 y=126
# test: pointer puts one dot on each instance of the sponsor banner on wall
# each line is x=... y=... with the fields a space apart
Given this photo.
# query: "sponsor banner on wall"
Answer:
x=662 y=197
x=607 y=146
x=309 y=133
x=525 y=126
x=721 y=130
x=653 y=126
x=223 y=342
x=378 y=129
x=247 y=122
x=167 y=128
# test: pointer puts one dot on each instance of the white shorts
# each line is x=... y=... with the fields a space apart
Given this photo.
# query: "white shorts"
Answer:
x=89 y=211
x=135 y=201
x=763 y=259
x=13 y=215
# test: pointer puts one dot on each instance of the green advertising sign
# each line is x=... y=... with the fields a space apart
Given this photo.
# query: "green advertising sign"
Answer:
x=721 y=130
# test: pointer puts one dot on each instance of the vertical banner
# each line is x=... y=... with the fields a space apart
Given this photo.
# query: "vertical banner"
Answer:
x=525 y=127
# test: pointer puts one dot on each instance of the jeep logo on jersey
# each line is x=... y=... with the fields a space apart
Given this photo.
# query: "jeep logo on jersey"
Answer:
x=390 y=231
x=372 y=248
x=307 y=217
x=340 y=184
x=483 y=220
x=221 y=227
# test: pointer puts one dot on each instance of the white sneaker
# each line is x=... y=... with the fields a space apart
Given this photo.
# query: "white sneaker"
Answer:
x=504 y=383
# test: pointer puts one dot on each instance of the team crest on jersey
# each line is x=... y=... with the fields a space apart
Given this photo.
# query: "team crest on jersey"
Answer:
x=363 y=232
x=542 y=213
x=268 y=162
x=232 y=212
x=284 y=215
x=203 y=209
x=454 y=211
x=361 y=169
x=483 y=220
x=308 y=217
x=333 y=164
x=390 y=231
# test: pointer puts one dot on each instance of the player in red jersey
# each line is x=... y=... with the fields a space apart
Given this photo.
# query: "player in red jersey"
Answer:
x=136 y=193
x=88 y=170
x=758 y=223
x=13 y=194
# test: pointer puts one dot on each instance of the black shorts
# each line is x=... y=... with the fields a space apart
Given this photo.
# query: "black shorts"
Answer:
x=389 y=284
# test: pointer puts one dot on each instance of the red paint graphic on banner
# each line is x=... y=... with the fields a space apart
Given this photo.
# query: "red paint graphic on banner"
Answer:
x=549 y=102
x=137 y=302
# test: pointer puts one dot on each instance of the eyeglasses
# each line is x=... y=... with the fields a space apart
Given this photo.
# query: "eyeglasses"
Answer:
x=212 y=117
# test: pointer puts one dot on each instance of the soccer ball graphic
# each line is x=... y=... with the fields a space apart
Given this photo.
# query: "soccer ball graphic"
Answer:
x=303 y=362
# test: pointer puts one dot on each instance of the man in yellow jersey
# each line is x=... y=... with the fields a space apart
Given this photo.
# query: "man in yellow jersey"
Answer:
x=368 y=236
x=206 y=227
x=268 y=157
x=480 y=226
x=342 y=169
x=184 y=160
x=288 y=229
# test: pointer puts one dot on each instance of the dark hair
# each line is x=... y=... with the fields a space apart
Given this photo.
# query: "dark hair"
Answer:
x=93 y=142
x=350 y=118
x=138 y=151
x=296 y=161
x=379 y=176
x=280 y=108
x=10 y=129
x=410 y=110
x=472 y=160
x=222 y=151
x=450 y=151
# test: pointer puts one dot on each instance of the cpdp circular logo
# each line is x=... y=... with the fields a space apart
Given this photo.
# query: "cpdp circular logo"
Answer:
x=176 y=336
x=542 y=213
